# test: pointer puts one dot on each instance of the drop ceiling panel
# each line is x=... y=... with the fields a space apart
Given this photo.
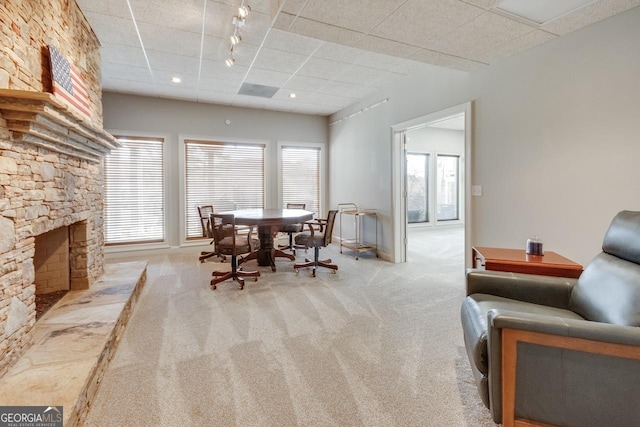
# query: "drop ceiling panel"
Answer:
x=127 y=72
x=588 y=15
x=293 y=43
x=358 y=15
x=178 y=64
x=293 y=7
x=349 y=90
x=339 y=53
x=284 y=21
x=129 y=86
x=363 y=76
x=218 y=22
x=168 y=40
x=321 y=31
x=279 y=60
x=435 y=18
x=486 y=4
x=266 y=77
x=321 y=68
x=385 y=62
x=113 y=8
x=104 y=25
x=387 y=47
x=517 y=45
x=255 y=30
x=487 y=31
x=119 y=54
x=184 y=15
x=311 y=84
x=216 y=85
x=163 y=78
x=217 y=70
x=216 y=97
x=330 y=100
x=447 y=61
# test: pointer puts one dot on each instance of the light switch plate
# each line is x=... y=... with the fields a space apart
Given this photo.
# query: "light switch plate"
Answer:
x=476 y=190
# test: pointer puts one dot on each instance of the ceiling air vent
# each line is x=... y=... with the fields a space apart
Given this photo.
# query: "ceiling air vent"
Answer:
x=257 y=90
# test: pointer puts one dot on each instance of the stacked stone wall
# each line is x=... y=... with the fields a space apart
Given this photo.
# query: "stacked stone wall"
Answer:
x=41 y=190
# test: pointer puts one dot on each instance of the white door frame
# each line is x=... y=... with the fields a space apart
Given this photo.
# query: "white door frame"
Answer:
x=398 y=175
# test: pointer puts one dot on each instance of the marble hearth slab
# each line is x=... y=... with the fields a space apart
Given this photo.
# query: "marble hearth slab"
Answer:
x=73 y=343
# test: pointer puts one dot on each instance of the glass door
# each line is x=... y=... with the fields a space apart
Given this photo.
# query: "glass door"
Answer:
x=448 y=187
x=417 y=187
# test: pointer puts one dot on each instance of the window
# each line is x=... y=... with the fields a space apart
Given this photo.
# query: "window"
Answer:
x=134 y=192
x=226 y=175
x=301 y=176
x=417 y=187
x=448 y=188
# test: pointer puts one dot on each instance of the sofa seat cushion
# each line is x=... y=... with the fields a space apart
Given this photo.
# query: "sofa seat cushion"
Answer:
x=474 y=322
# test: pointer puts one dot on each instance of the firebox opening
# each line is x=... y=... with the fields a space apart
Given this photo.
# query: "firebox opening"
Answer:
x=51 y=262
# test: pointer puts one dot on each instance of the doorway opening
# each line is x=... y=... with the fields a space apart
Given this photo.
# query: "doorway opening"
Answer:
x=431 y=178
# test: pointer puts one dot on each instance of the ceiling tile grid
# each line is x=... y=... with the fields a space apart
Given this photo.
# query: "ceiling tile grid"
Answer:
x=330 y=52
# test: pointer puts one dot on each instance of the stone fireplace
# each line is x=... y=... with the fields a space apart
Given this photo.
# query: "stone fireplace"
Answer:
x=51 y=172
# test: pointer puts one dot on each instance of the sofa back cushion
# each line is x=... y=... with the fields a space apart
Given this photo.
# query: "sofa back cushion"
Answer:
x=609 y=288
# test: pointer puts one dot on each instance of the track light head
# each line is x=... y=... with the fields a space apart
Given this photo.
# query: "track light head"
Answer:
x=244 y=10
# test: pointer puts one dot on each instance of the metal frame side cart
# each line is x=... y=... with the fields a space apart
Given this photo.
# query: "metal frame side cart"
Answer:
x=357 y=244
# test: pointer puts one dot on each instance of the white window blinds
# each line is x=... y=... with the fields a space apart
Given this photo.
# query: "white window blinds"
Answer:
x=134 y=192
x=226 y=175
x=301 y=177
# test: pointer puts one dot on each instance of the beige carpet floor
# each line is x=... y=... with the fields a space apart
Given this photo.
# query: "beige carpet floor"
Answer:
x=377 y=344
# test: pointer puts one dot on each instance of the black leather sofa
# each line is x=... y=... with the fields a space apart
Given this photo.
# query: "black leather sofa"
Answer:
x=556 y=351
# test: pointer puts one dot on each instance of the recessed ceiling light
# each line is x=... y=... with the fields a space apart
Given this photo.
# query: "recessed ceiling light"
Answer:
x=292 y=95
x=176 y=79
x=230 y=61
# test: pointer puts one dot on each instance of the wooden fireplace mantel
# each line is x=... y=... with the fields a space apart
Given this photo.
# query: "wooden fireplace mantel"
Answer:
x=40 y=119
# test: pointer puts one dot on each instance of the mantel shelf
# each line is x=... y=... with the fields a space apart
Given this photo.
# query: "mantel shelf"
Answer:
x=40 y=119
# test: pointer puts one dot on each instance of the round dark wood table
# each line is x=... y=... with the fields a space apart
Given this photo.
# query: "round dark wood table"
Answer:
x=268 y=221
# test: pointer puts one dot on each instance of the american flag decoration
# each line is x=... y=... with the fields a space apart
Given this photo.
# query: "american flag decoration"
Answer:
x=67 y=82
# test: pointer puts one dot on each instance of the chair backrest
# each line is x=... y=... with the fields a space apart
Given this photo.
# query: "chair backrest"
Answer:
x=296 y=205
x=205 y=212
x=220 y=226
x=609 y=288
x=328 y=230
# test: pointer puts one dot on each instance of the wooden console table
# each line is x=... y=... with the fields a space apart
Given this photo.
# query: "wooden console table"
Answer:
x=517 y=261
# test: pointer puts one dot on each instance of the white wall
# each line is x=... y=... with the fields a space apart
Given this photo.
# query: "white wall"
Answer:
x=138 y=115
x=555 y=140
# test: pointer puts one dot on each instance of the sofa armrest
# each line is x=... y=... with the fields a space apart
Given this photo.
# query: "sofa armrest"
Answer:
x=543 y=290
x=508 y=329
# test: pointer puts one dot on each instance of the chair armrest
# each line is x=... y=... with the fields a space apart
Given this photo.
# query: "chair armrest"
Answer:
x=320 y=222
x=507 y=328
x=543 y=290
x=247 y=231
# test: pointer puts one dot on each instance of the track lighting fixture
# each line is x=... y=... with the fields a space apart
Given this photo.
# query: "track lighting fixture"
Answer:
x=238 y=22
